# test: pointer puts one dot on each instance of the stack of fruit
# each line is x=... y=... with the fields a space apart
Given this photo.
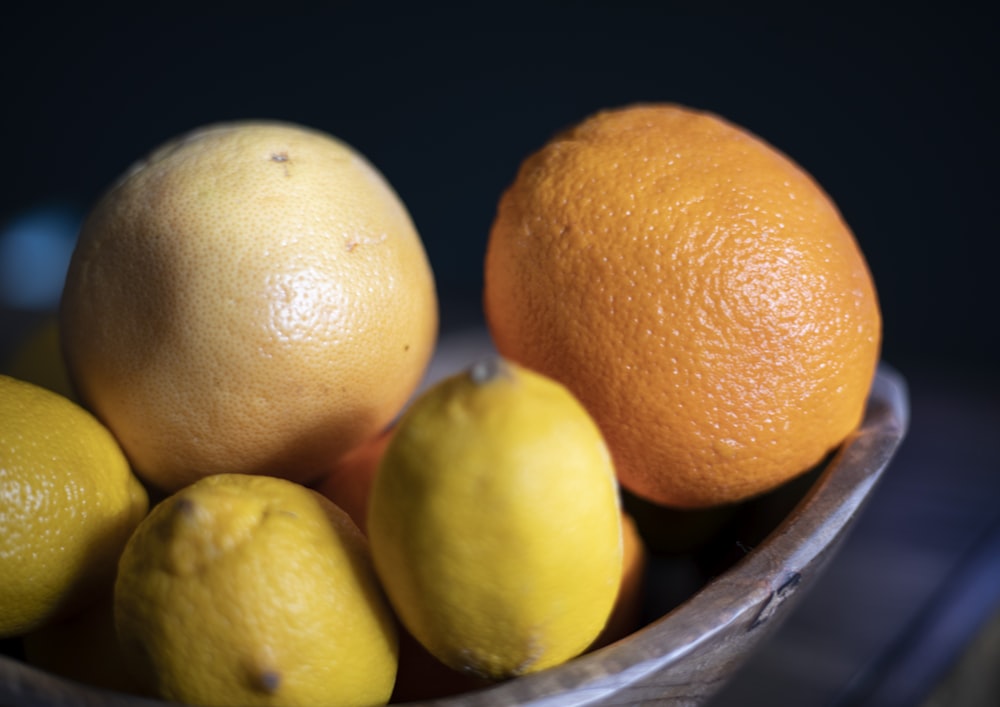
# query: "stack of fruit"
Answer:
x=678 y=308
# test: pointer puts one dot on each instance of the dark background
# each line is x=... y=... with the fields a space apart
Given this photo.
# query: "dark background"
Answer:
x=888 y=112
x=892 y=113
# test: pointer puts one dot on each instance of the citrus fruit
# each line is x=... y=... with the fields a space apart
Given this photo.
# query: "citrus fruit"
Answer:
x=697 y=290
x=38 y=359
x=494 y=522
x=626 y=615
x=253 y=297
x=349 y=484
x=254 y=590
x=68 y=502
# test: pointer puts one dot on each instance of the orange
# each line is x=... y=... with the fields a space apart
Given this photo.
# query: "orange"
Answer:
x=626 y=615
x=696 y=289
x=251 y=298
x=349 y=485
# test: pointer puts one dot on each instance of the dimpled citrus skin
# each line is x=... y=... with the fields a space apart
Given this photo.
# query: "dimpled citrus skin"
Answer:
x=494 y=522
x=696 y=289
x=253 y=590
x=68 y=502
x=252 y=298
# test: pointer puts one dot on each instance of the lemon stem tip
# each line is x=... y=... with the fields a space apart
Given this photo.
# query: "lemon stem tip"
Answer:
x=484 y=371
x=269 y=681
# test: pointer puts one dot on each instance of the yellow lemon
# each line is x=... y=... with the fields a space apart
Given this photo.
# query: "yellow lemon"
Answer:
x=251 y=298
x=494 y=522
x=68 y=502
x=253 y=590
x=38 y=359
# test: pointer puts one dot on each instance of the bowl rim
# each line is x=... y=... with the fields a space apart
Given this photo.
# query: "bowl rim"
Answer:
x=764 y=579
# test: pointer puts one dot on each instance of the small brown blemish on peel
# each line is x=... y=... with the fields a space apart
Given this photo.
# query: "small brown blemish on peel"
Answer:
x=351 y=245
x=268 y=681
x=283 y=159
x=185 y=507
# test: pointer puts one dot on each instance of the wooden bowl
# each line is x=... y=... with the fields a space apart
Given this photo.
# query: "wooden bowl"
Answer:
x=710 y=597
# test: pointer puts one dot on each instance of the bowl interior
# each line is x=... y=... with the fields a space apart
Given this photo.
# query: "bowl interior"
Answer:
x=717 y=582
